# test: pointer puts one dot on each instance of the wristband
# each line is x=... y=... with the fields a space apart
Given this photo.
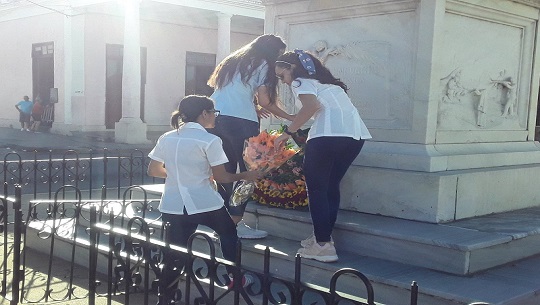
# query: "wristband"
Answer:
x=286 y=130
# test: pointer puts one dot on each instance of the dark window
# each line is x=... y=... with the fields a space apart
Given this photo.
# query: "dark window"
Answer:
x=42 y=70
x=199 y=67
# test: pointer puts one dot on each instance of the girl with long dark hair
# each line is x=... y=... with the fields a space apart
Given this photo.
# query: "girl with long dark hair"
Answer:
x=244 y=76
x=334 y=141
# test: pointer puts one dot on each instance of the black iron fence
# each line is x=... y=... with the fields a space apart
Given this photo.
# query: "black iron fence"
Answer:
x=40 y=173
x=12 y=230
x=120 y=245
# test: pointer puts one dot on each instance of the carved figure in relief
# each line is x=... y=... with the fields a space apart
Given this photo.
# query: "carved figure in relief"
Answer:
x=511 y=95
x=454 y=88
x=481 y=107
x=321 y=51
x=484 y=101
x=372 y=55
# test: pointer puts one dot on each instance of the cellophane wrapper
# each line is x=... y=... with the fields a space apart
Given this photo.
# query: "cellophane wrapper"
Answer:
x=261 y=154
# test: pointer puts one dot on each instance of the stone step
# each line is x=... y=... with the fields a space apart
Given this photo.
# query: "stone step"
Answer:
x=463 y=247
x=512 y=284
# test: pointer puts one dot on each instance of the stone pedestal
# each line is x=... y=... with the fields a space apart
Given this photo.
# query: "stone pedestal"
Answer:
x=449 y=91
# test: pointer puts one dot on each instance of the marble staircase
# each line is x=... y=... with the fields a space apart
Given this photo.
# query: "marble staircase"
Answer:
x=492 y=258
x=462 y=248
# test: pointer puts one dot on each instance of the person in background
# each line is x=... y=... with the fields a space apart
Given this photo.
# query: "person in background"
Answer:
x=334 y=141
x=25 y=110
x=191 y=159
x=243 y=76
x=37 y=112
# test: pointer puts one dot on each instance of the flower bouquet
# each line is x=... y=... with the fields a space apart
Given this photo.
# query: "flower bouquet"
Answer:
x=260 y=154
x=285 y=187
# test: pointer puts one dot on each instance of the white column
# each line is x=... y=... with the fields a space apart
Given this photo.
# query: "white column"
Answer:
x=130 y=129
x=131 y=78
x=73 y=66
x=68 y=68
x=224 y=36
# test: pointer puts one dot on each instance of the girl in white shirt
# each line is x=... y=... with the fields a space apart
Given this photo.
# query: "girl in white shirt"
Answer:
x=188 y=157
x=334 y=140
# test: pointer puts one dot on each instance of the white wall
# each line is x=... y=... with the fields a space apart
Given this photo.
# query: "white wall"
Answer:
x=166 y=46
x=16 y=59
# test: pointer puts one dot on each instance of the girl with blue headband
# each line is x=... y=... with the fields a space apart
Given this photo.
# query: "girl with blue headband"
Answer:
x=334 y=141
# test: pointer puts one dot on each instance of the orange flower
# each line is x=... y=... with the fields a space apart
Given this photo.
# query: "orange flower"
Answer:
x=260 y=152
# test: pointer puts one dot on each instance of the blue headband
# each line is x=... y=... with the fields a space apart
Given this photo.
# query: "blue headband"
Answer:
x=306 y=61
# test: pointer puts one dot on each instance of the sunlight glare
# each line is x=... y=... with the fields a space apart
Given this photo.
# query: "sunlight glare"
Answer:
x=272 y=249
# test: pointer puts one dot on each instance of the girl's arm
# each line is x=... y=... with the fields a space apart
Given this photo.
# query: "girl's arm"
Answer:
x=156 y=169
x=222 y=176
x=310 y=105
x=264 y=101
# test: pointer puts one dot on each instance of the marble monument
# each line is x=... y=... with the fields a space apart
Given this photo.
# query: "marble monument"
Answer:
x=449 y=91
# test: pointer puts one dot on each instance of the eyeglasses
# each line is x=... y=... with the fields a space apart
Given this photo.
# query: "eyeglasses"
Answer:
x=216 y=112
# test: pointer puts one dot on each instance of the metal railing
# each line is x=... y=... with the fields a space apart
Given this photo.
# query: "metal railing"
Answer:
x=139 y=263
x=120 y=243
x=41 y=173
x=11 y=227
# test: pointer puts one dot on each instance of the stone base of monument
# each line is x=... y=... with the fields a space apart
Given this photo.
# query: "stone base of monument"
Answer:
x=442 y=183
x=491 y=258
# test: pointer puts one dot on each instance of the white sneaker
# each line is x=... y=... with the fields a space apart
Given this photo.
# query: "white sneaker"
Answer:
x=326 y=253
x=246 y=232
x=22 y=129
x=311 y=239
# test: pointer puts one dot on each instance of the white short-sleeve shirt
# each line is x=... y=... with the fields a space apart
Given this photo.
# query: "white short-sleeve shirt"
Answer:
x=236 y=98
x=337 y=116
x=189 y=154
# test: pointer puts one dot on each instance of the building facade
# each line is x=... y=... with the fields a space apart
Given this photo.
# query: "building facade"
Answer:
x=97 y=63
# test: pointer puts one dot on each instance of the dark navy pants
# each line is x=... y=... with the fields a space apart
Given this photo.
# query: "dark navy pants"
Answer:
x=233 y=133
x=326 y=161
x=181 y=228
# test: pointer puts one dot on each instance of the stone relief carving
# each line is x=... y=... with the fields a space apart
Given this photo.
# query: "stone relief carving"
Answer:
x=365 y=52
x=489 y=104
x=510 y=105
x=454 y=89
x=321 y=50
x=367 y=69
x=481 y=107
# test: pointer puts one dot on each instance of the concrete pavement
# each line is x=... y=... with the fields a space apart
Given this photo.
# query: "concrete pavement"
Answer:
x=13 y=139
